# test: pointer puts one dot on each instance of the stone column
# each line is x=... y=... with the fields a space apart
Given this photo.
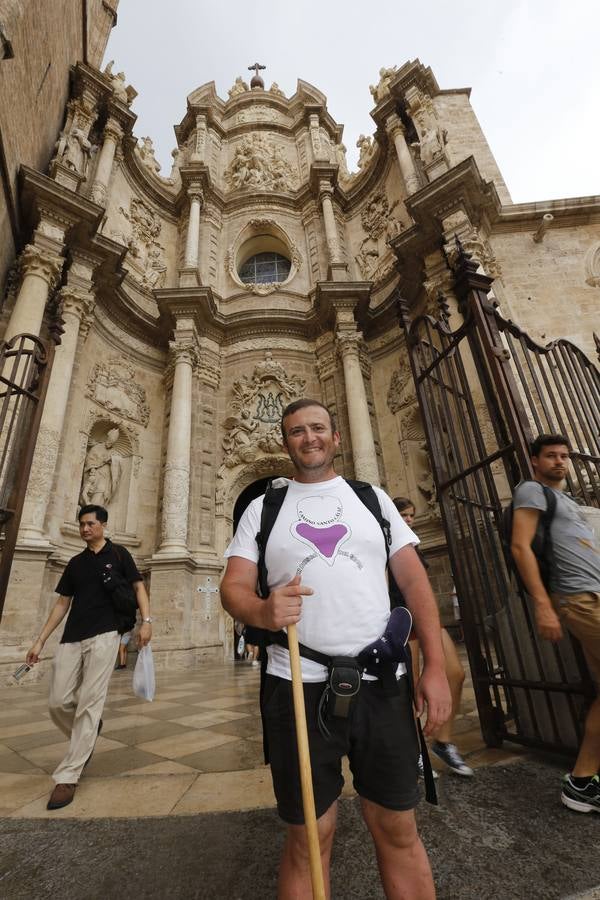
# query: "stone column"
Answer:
x=193 y=231
x=112 y=135
x=331 y=232
x=361 y=433
x=41 y=271
x=176 y=488
x=395 y=130
x=76 y=307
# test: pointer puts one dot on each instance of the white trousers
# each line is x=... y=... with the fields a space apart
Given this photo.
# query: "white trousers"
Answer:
x=80 y=675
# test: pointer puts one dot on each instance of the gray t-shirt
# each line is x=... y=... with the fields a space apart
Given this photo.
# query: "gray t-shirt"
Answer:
x=576 y=553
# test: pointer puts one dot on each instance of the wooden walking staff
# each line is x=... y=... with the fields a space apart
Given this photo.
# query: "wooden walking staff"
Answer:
x=308 y=799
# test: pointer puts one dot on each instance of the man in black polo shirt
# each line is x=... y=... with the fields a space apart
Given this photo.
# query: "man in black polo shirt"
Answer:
x=86 y=654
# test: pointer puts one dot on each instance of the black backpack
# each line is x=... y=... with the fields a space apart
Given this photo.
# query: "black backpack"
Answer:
x=122 y=595
x=541 y=543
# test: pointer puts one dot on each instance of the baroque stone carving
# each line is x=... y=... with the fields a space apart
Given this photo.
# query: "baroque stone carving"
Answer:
x=256 y=114
x=592 y=265
x=257 y=404
x=366 y=146
x=258 y=226
x=275 y=89
x=239 y=86
x=382 y=89
x=380 y=225
x=401 y=390
x=432 y=138
x=146 y=254
x=112 y=385
x=124 y=93
x=145 y=151
x=259 y=163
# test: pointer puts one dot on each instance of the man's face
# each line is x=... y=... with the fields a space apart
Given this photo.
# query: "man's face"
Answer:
x=90 y=528
x=309 y=440
x=552 y=463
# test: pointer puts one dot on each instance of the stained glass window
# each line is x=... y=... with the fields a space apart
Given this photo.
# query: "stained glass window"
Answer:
x=265 y=268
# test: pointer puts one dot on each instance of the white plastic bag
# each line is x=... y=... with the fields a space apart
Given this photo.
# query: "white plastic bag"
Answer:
x=144 y=684
x=241 y=647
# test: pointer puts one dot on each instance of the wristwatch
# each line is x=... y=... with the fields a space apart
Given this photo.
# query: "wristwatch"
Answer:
x=148 y=620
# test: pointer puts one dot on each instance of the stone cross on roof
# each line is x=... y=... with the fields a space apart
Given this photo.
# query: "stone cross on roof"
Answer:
x=256 y=79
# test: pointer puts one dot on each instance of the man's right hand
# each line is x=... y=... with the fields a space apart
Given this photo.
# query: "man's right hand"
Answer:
x=33 y=655
x=548 y=623
x=283 y=606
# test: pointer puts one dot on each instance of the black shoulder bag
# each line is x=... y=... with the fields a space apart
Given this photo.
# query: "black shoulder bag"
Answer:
x=122 y=595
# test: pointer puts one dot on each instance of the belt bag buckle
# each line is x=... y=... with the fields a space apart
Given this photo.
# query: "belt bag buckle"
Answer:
x=344 y=685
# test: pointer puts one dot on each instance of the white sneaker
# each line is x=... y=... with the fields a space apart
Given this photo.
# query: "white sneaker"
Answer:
x=449 y=754
x=255 y=662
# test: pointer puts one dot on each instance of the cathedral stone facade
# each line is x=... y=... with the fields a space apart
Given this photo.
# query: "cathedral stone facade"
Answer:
x=197 y=304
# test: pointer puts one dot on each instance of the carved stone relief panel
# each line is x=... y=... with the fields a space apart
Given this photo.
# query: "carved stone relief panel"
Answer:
x=259 y=163
x=146 y=256
x=257 y=403
x=374 y=258
x=112 y=385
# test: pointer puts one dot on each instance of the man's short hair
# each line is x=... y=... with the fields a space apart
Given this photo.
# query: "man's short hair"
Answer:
x=548 y=440
x=99 y=511
x=402 y=503
x=293 y=407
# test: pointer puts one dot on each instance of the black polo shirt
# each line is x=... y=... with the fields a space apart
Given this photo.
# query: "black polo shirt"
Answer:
x=91 y=611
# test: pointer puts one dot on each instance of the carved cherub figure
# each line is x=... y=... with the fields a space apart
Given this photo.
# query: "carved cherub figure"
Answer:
x=239 y=86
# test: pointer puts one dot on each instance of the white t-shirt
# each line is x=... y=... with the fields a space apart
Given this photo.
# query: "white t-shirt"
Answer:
x=326 y=534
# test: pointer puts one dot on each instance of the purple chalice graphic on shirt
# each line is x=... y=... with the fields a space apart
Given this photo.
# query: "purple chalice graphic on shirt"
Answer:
x=319 y=526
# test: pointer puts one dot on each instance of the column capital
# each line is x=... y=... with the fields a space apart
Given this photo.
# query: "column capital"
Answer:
x=76 y=303
x=113 y=130
x=348 y=343
x=393 y=125
x=325 y=189
x=184 y=353
x=195 y=192
x=34 y=261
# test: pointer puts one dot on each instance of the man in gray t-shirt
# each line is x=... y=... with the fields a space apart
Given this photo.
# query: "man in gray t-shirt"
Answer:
x=574 y=599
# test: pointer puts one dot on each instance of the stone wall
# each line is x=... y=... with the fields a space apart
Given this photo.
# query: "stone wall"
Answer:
x=46 y=39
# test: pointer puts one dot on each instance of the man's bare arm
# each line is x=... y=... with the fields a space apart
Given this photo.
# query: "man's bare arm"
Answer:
x=57 y=614
x=141 y=595
x=239 y=598
x=525 y=522
x=432 y=687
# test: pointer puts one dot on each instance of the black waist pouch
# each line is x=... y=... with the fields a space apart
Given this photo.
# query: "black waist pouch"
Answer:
x=343 y=684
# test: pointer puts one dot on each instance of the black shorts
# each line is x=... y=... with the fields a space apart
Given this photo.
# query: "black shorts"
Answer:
x=379 y=738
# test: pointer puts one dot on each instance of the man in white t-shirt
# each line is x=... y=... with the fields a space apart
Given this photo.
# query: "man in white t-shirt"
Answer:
x=326 y=564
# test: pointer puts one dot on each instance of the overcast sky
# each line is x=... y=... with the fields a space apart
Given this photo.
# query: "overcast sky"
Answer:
x=534 y=69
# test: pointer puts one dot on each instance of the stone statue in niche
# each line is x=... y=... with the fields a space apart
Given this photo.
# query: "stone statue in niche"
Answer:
x=432 y=138
x=239 y=443
x=383 y=87
x=101 y=471
x=425 y=480
x=259 y=163
x=239 y=86
x=77 y=150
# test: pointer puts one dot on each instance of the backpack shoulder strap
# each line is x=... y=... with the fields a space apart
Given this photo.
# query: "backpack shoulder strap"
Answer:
x=272 y=503
x=366 y=494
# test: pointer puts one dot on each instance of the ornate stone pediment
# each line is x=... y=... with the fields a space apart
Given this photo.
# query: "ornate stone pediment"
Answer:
x=258 y=401
x=112 y=385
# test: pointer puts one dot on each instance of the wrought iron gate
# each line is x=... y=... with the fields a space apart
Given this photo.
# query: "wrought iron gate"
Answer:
x=25 y=365
x=485 y=390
